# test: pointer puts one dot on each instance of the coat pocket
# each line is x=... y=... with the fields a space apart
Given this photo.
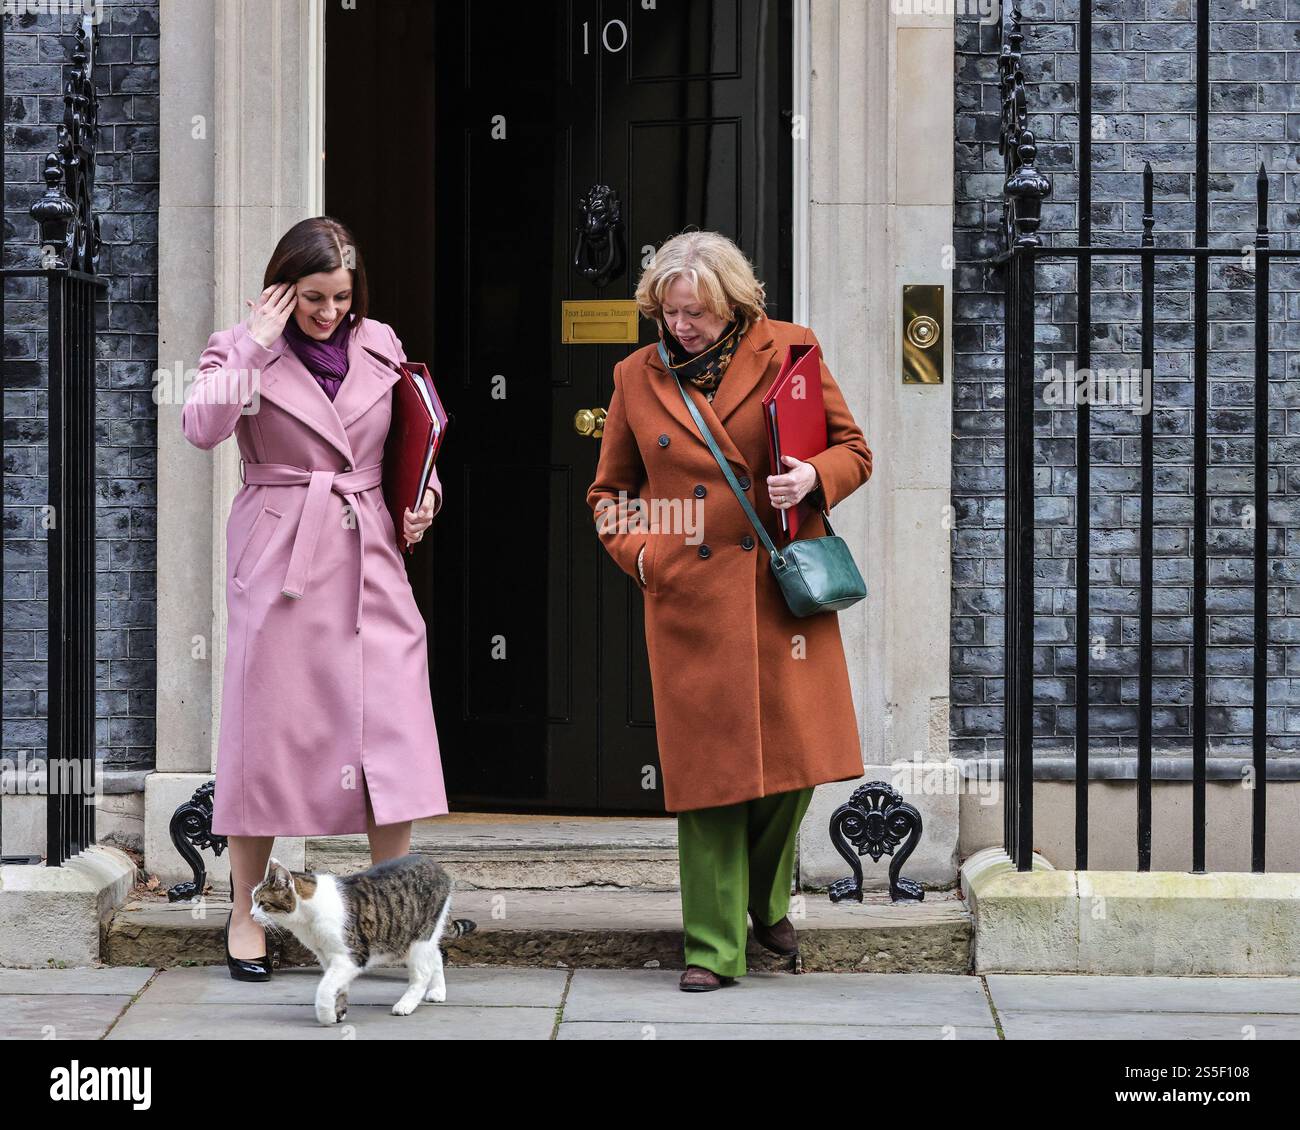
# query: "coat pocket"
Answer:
x=264 y=525
x=380 y=503
x=651 y=562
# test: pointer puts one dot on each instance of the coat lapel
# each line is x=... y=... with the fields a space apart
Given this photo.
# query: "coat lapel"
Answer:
x=745 y=371
x=288 y=384
x=369 y=376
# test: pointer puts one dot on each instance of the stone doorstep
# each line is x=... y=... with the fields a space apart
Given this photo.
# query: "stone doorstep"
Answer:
x=595 y=929
x=502 y=852
x=509 y=852
x=1143 y=923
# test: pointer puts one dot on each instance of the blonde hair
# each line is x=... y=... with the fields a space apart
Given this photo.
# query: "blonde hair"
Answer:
x=723 y=278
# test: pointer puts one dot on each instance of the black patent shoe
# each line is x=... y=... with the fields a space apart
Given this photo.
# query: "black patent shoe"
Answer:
x=246 y=969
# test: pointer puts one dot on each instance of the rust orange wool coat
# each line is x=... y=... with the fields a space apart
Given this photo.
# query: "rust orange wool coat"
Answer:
x=749 y=699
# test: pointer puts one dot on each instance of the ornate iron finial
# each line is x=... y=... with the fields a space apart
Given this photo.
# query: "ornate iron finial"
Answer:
x=1261 y=207
x=69 y=228
x=1025 y=187
x=1024 y=190
x=1148 y=205
x=874 y=821
x=191 y=832
x=55 y=214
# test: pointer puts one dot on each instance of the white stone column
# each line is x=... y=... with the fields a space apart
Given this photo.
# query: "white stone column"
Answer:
x=880 y=152
x=242 y=94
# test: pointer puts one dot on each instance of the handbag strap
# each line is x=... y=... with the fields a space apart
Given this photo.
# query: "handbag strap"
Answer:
x=727 y=471
x=726 y=467
x=768 y=544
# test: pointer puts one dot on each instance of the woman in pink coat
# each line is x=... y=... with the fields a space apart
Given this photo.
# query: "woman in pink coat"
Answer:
x=326 y=718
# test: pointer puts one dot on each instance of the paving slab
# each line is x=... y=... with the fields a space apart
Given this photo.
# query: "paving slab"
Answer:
x=79 y=1003
x=206 y=1003
x=487 y=986
x=59 y=1016
x=114 y=980
x=1113 y=994
x=150 y=1021
x=933 y=1002
x=705 y=1030
x=1097 y=1025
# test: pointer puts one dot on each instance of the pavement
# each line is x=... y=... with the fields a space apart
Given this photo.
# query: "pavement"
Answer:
x=502 y=1002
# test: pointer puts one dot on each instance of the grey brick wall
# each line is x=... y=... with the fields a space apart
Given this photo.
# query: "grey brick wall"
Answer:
x=126 y=197
x=1144 y=102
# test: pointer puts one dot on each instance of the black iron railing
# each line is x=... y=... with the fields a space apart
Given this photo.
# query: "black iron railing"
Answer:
x=1025 y=190
x=67 y=283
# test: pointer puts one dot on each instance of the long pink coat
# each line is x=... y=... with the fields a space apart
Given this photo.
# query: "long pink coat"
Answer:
x=326 y=680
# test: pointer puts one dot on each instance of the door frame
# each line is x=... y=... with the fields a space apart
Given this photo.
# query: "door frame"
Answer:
x=801 y=197
x=190 y=545
x=798 y=102
x=795 y=101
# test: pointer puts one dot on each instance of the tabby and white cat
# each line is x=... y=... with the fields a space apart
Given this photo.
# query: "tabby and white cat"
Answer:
x=397 y=909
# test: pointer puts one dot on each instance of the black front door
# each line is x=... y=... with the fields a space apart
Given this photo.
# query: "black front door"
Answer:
x=681 y=107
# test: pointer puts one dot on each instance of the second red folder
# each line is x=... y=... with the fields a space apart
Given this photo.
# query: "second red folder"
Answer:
x=796 y=419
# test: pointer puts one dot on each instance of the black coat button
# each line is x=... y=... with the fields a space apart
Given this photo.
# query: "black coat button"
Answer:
x=663 y=440
x=744 y=484
x=747 y=542
x=705 y=551
x=700 y=490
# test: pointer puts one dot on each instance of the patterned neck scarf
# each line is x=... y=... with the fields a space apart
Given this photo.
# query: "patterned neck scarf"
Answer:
x=704 y=370
x=326 y=360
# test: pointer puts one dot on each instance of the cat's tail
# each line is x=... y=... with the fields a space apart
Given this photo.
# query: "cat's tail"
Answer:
x=459 y=927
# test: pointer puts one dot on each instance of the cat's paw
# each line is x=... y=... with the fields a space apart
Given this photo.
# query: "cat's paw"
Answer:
x=437 y=994
x=404 y=1008
x=327 y=1015
x=341 y=1007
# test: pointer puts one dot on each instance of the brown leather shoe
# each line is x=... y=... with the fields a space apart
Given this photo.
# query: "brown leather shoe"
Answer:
x=780 y=937
x=697 y=979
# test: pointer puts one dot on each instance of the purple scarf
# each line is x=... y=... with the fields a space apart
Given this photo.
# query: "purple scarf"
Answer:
x=326 y=360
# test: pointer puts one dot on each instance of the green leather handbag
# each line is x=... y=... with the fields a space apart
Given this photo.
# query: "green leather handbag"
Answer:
x=814 y=574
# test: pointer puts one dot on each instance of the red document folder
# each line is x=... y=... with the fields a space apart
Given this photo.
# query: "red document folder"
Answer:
x=796 y=419
x=415 y=437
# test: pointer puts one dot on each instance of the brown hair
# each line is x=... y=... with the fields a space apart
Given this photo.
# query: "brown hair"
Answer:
x=319 y=243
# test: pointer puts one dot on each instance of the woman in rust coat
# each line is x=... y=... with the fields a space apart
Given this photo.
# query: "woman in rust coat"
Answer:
x=752 y=704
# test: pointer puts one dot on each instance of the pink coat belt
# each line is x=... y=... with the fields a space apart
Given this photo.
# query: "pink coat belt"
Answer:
x=319 y=485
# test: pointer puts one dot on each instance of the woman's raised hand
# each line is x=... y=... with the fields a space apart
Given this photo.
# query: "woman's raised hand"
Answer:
x=270 y=312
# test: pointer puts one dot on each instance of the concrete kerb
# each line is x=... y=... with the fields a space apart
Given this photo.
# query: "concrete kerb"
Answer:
x=56 y=915
x=1139 y=923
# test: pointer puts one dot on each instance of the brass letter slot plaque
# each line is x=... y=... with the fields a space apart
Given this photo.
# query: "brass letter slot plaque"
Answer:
x=607 y=321
x=923 y=335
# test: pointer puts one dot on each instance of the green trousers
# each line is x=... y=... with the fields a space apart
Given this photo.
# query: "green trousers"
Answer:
x=734 y=860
